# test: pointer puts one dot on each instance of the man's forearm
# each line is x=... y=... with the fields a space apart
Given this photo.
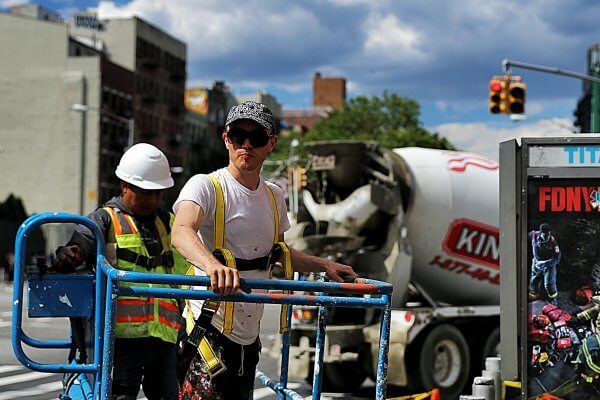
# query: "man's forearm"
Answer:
x=305 y=263
x=188 y=244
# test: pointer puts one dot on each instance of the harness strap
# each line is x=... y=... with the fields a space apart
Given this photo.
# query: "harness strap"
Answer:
x=275 y=215
x=219 y=235
x=166 y=244
x=165 y=259
x=219 y=213
x=286 y=260
x=196 y=336
x=260 y=263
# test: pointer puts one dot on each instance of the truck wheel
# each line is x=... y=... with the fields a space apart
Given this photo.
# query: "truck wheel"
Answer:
x=340 y=377
x=444 y=361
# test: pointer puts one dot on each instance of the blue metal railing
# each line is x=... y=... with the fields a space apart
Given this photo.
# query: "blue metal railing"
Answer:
x=108 y=289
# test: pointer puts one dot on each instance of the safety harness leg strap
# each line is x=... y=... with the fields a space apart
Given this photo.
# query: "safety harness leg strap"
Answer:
x=197 y=336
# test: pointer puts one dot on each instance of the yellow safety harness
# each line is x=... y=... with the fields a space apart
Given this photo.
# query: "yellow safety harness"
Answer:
x=195 y=328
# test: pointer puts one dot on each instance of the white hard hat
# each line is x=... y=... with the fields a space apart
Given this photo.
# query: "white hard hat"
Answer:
x=146 y=167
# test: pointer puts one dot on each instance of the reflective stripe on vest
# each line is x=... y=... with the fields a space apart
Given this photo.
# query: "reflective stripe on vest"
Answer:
x=142 y=317
x=588 y=356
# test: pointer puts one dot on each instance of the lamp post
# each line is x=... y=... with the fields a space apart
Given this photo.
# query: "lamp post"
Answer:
x=83 y=109
x=294 y=175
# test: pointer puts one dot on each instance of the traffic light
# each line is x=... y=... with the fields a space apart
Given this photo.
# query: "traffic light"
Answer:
x=302 y=178
x=516 y=95
x=498 y=95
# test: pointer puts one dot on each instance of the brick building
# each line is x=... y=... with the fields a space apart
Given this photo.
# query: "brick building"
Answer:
x=328 y=94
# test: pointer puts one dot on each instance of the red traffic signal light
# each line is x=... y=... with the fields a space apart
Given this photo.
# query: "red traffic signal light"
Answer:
x=498 y=95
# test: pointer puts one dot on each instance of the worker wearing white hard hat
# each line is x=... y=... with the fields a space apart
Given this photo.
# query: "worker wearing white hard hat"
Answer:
x=146 y=167
x=137 y=231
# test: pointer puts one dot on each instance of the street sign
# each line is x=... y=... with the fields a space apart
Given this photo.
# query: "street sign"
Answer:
x=323 y=163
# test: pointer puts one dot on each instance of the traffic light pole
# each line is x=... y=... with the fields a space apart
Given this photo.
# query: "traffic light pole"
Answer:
x=595 y=102
x=595 y=79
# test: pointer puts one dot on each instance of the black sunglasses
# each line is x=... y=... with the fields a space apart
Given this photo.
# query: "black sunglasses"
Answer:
x=258 y=137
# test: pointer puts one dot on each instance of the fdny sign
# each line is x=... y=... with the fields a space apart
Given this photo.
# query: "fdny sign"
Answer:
x=568 y=198
x=473 y=241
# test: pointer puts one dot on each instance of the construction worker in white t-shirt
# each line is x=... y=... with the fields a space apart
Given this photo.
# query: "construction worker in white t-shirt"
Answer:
x=230 y=225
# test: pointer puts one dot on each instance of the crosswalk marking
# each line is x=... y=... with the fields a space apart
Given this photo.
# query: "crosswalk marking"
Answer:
x=35 y=391
x=28 y=376
x=9 y=368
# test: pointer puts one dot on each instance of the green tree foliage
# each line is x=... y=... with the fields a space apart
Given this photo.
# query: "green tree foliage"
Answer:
x=391 y=120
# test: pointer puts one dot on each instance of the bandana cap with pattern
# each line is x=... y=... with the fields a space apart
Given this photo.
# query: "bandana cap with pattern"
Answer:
x=254 y=111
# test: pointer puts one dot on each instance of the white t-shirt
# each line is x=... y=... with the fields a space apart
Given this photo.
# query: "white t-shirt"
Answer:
x=249 y=233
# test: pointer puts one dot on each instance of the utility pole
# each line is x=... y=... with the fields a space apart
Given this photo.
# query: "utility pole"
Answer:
x=594 y=78
x=595 y=101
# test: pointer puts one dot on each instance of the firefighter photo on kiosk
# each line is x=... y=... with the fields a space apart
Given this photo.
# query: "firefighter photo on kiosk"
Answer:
x=563 y=288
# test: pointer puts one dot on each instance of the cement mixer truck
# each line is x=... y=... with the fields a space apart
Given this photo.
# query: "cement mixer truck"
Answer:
x=425 y=220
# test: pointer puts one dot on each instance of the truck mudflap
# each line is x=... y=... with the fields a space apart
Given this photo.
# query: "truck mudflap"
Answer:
x=402 y=322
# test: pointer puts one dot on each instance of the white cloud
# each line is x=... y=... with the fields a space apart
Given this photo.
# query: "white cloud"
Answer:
x=484 y=139
x=388 y=39
x=216 y=30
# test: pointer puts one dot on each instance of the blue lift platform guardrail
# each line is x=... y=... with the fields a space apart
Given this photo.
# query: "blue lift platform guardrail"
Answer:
x=95 y=377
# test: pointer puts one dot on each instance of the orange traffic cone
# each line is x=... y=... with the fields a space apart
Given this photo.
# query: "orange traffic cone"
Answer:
x=435 y=394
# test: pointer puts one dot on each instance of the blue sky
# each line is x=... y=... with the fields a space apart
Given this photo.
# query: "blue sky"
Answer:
x=440 y=53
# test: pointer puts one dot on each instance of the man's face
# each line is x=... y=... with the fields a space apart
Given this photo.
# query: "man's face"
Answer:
x=243 y=155
x=141 y=201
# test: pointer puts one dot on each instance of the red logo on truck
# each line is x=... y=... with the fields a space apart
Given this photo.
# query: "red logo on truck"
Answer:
x=473 y=241
x=458 y=162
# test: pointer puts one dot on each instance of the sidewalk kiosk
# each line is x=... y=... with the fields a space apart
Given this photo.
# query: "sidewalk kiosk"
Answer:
x=550 y=266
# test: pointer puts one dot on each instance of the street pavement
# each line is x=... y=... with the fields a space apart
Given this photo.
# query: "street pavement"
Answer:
x=18 y=382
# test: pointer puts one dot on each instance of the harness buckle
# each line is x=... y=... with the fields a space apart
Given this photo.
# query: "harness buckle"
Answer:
x=211 y=358
x=217 y=368
x=196 y=335
x=141 y=260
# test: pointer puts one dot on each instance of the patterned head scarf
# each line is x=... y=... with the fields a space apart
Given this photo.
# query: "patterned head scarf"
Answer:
x=254 y=111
